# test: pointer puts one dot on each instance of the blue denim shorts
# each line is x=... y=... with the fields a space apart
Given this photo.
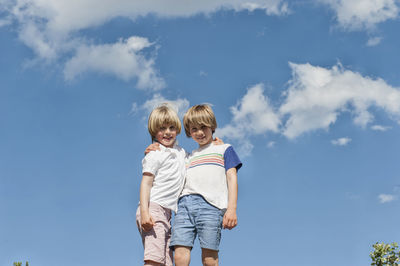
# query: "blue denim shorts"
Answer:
x=196 y=216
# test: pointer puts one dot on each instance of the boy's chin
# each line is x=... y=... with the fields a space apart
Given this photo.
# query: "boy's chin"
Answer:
x=203 y=143
x=168 y=143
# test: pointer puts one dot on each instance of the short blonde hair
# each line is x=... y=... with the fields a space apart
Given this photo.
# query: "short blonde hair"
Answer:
x=201 y=115
x=160 y=116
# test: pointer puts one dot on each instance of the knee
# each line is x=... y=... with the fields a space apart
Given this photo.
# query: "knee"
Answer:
x=151 y=263
x=181 y=258
x=209 y=257
x=210 y=261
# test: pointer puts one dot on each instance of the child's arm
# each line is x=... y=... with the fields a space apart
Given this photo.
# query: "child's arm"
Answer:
x=218 y=141
x=230 y=218
x=147 y=221
x=156 y=146
x=152 y=147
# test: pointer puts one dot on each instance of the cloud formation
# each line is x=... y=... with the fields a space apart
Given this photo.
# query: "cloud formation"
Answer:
x=51 y=29
x=181 y=105
x=271 y=144
x=341 y=141
x=374 y=41
x=380 y=128
x=72 y=15
x=252 y=115
x=317 y=96
x=363 y=14
x=122 y=59
x=314 y=100
x=385 y=198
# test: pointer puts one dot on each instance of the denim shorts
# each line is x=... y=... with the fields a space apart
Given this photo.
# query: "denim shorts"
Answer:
x=196 y=216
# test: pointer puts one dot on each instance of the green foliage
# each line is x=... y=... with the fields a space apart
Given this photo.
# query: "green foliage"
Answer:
x=20 y=264
x=385 y=254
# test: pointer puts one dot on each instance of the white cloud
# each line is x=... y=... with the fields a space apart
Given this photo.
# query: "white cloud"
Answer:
x=271 y=144
x=362 y=14
x=36 y=39
x=203 y=73
x=374 y=41
x=385 y=198
x=255 y=112
x=314 y=100
x=341 y=141
x=122 y=59
x=317 y=96
x=51 y=29
x=5 y=21
x=59 y=20
x=252 y=115
x=270 y=7
x=180 y=105
x=70 y=15
x=380 y=128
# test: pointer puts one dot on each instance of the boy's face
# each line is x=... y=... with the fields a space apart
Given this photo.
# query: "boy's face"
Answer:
x=201 y=134
x=166 y=135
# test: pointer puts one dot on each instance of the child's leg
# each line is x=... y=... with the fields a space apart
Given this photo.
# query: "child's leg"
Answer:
x=209 y=225
x=182 y=256
x=155 y=241
x=169 y=255
x=183 y=231
x=151 y=263
x=209 y=257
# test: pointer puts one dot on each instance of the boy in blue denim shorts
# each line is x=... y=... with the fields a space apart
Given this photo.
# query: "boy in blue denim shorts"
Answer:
x=209 y=198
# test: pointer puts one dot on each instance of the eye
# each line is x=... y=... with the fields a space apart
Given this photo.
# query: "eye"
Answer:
x=172 y=128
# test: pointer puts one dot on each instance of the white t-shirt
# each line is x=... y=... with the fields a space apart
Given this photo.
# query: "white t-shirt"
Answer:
x=168 y=167
x=206 y=173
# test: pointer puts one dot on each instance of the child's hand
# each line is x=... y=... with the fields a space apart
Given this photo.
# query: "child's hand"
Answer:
x=218 y=141
x=152 y=147
x=230 y=219
x=147 y=222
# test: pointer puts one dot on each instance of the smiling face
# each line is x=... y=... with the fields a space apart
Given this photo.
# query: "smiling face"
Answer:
x=164 y=125
x=166 y=135
x=201 y=134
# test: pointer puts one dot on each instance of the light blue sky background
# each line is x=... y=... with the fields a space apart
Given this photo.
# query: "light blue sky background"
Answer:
x=308 y=93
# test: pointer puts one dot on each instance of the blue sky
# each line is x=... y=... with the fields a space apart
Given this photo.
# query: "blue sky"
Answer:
x=308 y=93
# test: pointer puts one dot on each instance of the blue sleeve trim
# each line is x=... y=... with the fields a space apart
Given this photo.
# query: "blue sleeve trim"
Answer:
x=231 y=159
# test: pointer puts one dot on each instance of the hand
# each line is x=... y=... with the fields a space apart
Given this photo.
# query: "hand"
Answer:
x=218 y=141
x=152 y=147
x=230 y=219
x=147 y=222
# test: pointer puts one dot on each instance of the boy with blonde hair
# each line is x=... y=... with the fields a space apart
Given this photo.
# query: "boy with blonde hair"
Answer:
x=162 y=182
x=209 y=197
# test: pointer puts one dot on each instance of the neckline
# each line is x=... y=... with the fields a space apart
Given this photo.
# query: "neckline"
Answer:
x=205 y=146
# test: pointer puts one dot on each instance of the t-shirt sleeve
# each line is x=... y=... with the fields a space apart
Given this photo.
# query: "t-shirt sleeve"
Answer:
x=151 y=163
x=231 y=159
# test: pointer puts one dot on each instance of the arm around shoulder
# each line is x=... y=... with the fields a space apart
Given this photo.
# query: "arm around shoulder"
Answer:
x=152 y=147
